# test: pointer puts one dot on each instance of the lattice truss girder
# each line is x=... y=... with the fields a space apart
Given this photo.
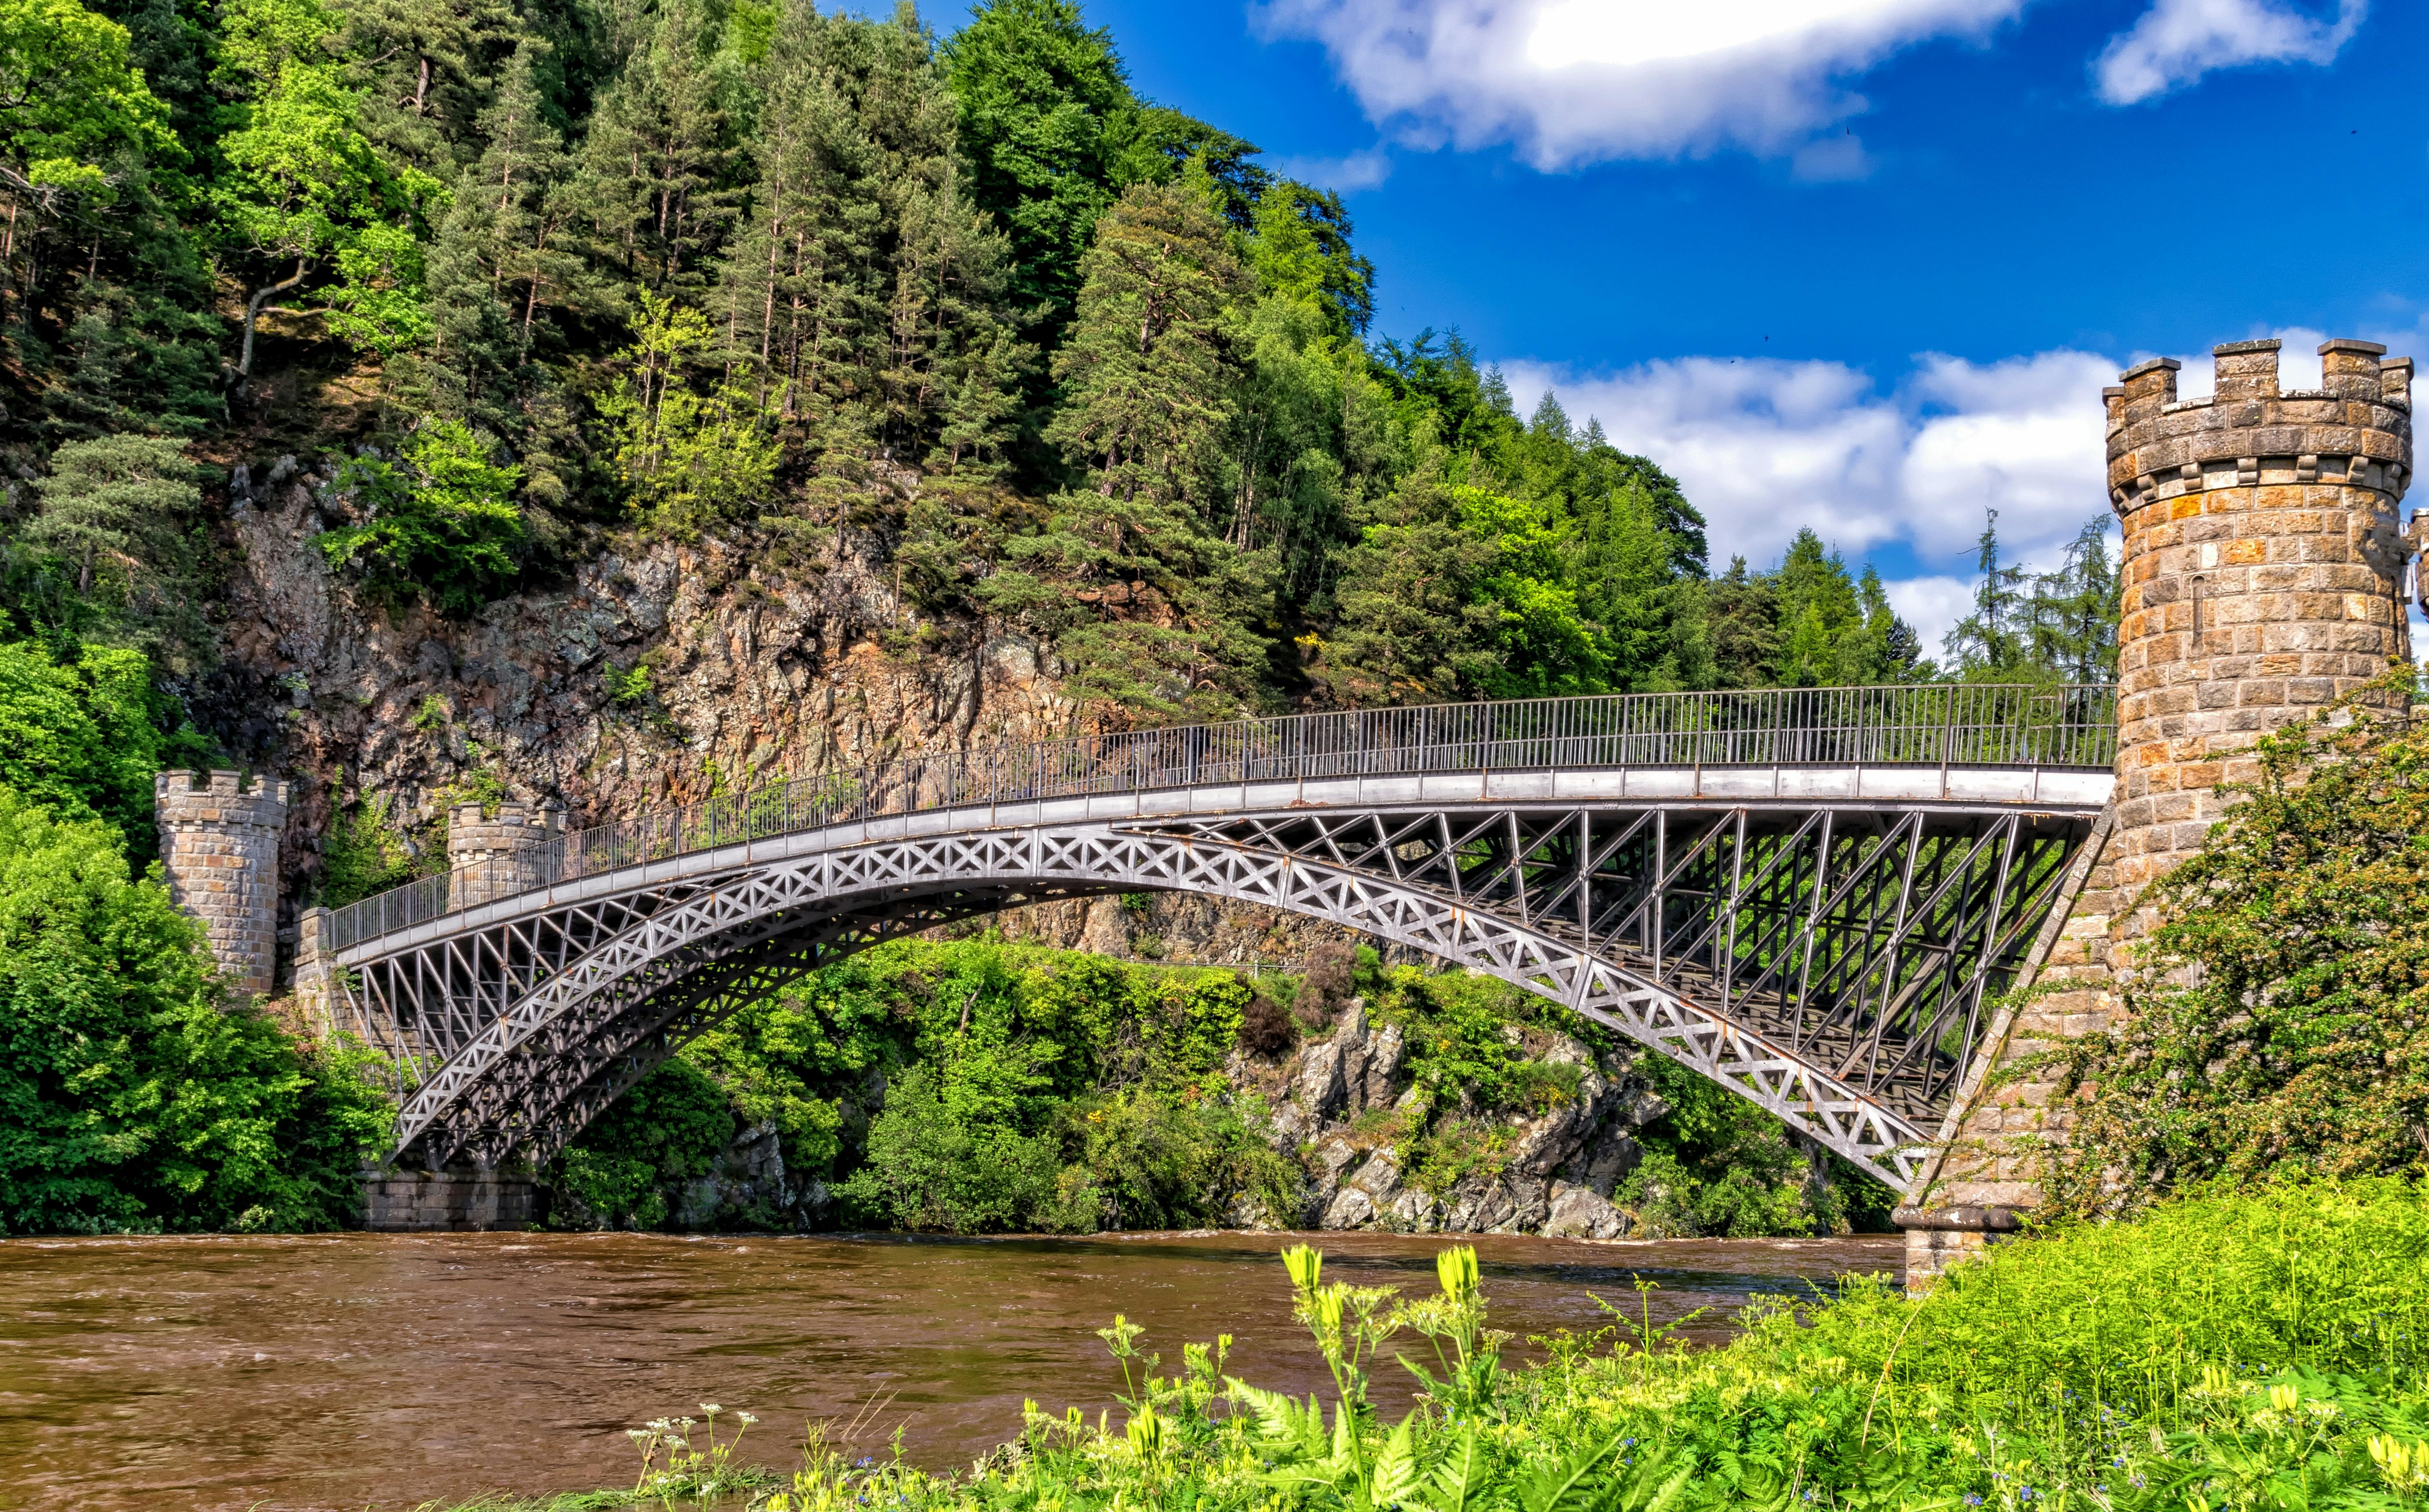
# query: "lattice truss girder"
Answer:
x=1864 y=939
x=1683 y=928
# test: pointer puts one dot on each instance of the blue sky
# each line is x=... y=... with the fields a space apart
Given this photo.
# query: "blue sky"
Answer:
x=1858 y=264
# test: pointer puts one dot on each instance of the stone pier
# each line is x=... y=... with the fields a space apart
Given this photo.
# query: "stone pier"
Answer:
x=2263 y=572
x=447 y=1201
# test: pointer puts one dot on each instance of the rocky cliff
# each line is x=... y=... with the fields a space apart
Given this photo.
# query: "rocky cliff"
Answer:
x=658 y=673
x=1344 y=1105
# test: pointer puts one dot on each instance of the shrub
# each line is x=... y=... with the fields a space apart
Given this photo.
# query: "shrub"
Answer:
x=937 y=1159
x=2278 y=1020
x=444 y=528
x=1328 y=979
x=130 y=1096
x=1267 y=1027
x=670 y=1126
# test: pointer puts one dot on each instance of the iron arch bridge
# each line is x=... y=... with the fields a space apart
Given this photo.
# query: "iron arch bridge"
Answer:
x=1808 y=897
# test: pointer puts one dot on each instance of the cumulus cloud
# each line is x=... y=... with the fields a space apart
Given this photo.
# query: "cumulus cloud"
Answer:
x=1933 y=605
x=2177 y=41
x=1764 y=446
x=1571 y=81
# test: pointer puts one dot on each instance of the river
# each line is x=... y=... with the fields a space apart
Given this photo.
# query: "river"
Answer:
x=357 y=1371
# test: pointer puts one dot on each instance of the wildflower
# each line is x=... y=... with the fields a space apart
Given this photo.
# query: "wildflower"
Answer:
x=1973 y=1499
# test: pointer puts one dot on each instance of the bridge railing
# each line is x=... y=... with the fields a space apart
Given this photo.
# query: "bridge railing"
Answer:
x=1943 y=724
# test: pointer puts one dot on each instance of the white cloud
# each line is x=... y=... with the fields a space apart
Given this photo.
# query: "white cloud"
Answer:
x=1765 y=447
x=1571 y=81
x=1933 y=606
x=1348 y=175
x=2177 y=41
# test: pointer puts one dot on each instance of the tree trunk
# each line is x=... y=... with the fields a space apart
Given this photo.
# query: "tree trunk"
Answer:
x=243 y=369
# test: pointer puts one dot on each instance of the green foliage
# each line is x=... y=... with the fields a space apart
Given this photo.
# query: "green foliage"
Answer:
x=130 y=1096
x=694 y=449
x=77 y=735
x=364 y=854
x=669 y=1127
x=2278 y=1020
x=443 y=528
x=74 y=103
x=949 y=1153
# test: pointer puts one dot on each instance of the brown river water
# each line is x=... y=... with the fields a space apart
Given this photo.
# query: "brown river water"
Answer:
x=356 y=1371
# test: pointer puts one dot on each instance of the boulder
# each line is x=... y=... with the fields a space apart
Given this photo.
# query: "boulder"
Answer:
x=1582 y=1212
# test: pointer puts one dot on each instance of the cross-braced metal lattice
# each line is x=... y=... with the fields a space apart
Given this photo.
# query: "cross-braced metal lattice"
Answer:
x=1828 y=961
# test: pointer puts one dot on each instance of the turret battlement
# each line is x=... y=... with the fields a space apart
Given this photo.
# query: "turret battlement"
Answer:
x=222 y=797
x=2355 y=428
x=493 y=856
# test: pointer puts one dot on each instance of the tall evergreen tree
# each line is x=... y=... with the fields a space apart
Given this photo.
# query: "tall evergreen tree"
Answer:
x=504 y=264
x=658 y=184
x=1165 y=616
x=2072 y=615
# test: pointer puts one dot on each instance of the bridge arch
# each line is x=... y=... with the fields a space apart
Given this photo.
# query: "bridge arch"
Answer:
x=1819 y=936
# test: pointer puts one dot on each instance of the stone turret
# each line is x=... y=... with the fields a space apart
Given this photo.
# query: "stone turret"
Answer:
x=218 y=846
x=2263 y=572
x=492 y=856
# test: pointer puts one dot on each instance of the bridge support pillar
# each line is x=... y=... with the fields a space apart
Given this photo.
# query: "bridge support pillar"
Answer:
x=2262 y=580
x=219 y=848
x=456 y=1201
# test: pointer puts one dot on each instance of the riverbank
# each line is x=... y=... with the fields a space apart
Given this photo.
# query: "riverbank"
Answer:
x=2262 y=1349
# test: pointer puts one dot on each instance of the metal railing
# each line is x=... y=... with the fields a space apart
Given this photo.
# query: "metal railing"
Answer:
x=1943 y=724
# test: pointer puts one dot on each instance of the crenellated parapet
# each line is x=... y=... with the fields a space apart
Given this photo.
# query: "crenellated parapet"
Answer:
x=2262 y=570
x=2355 y=430
x=219 y=848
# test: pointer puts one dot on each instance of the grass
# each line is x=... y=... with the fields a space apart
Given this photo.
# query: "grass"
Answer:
x=2262 y=1349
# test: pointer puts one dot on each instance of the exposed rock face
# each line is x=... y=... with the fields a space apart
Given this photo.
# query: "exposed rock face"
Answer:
x=762 y=664
x=1333 y=1104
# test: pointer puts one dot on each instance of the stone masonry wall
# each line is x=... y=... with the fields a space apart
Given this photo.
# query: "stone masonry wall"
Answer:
x=218 y=847
x=497 y=856
x=2262 y=575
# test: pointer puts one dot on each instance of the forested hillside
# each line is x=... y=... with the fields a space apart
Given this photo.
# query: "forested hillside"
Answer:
x=604 y=400
x=554 y=273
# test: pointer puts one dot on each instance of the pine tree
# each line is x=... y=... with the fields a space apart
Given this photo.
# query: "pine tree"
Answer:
x=503 y=257
x=1170 y=611
x=117 y=511
x=656 y=185
x=1989 y=645
x=2071 y=616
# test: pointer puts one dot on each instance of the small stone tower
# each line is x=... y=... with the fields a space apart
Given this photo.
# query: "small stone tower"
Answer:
x=2263 y=574
x=498 y=856
x=219 y=845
